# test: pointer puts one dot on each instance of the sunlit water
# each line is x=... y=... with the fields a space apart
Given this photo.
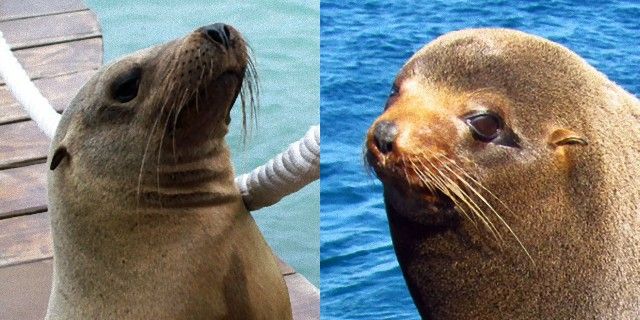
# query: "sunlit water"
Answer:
x=363 y=45
x=285 y=42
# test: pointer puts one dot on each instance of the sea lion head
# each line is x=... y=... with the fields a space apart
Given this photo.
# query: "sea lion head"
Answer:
x=154 y=119
x=497 y=151
x=147 y=221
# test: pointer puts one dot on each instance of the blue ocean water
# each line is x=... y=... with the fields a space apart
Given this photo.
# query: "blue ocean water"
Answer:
x=284 y=36
x=363 y=45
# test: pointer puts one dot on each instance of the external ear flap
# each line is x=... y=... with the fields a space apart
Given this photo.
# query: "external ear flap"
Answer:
x=565 y=137
x=60 y=154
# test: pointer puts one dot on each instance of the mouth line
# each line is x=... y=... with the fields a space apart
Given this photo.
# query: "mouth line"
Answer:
x=437 y=208
x=433 y=202
x=201 y=92
x=235 y=73
x=240 y=77
x=203 y=98
x=433 y=212
x=439 y=200
x=379 y=163
x=444 y=209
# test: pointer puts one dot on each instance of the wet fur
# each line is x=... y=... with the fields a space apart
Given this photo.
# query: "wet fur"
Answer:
x=573 y=206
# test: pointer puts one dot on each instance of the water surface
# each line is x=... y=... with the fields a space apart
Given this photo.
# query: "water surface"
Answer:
x=363 y=45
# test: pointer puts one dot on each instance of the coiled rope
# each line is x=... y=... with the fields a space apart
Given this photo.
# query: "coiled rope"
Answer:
x=286 y=173
x=25 y=92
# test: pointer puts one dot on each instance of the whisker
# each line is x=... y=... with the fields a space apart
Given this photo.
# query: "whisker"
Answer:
x=250 y=86
x=453 y=191
x=427 y=178
x=490 y=207
x=471 y=178
x=143 y=160
x=433 y=183
x=404 y=169
x=476 y=206
x=465 y=198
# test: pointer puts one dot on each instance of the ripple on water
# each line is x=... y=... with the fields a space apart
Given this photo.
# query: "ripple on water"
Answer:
x=363 y=45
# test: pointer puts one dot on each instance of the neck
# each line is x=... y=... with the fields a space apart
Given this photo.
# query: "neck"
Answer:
x=451 y=277
x=129 y=244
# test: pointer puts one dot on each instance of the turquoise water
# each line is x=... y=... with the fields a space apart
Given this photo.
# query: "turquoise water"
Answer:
x=285 y=42
x=363 y=45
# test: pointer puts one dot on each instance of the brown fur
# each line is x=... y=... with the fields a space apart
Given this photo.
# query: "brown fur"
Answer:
x=569 y=193
x=147 y=221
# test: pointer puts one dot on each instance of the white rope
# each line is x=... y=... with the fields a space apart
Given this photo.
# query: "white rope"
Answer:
x=26 y=92
x=286 y=173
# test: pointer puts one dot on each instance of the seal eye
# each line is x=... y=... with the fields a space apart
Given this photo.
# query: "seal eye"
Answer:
x=485 y=126
x=125 y=88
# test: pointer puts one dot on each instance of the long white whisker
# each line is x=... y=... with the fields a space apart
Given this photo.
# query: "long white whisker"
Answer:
x=488 y=205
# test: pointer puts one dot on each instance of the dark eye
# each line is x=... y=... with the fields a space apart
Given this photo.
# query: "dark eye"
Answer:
x=485 y=126
x=125 y=88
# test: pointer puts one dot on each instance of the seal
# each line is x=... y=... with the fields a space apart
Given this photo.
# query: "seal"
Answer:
x=509 y=168
x=147 y=222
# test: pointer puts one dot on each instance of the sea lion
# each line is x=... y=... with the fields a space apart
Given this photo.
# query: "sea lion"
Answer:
x=510 y=169
x=146 y=219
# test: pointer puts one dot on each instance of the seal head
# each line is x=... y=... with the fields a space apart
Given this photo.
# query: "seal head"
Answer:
x=146 y=219
x=508 y=166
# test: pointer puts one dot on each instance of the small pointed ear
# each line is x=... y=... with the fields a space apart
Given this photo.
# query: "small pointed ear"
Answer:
x=565 y=137
x=60 y=154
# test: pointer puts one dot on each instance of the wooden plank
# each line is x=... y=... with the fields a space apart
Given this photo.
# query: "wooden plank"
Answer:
x=58 y=28
x=22 y=142
x=304 y=296
x=18 y=9
x=23 y=190
x=285 y=269
x=62 y=58
x=25 y=290
x=59 y=91
x=25 y=239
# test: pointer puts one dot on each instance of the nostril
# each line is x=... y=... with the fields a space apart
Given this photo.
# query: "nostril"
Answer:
x=218 y=32
x=384 y=147
x=385 y=134
x=215 y=36
x=226 y=31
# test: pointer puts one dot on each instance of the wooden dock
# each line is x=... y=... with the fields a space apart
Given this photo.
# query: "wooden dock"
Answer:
x=59 y=44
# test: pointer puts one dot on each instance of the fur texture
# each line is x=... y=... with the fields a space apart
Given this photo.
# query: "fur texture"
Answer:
x=569 y=247
x=147 y=221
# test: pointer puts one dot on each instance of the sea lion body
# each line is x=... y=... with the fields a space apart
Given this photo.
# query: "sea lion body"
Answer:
x=510 y=181
x=147 y=222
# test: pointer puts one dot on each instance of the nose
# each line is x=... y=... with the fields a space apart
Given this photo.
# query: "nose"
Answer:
x=384 y=134
x=218 y=32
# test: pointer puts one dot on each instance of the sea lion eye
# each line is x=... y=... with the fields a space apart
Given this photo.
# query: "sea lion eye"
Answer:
x=488 y=127
x=485 y=126
x=125 y=88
